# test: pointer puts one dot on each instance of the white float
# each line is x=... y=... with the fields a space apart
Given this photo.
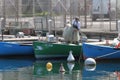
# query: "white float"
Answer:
x=90 y=61
x=90 y=64
x=70 y=57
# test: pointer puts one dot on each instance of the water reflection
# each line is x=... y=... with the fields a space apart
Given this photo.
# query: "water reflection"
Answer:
x=90 y=67
x=12 y=69
x=70 y=67
x=72 y=71
x=20 y=69
x=104 y=70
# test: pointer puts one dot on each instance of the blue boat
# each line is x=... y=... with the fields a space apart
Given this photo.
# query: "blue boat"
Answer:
x=100 y=51
x=14 y=48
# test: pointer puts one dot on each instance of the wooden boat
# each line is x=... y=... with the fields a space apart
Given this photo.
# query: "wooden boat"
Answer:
x=44 y=49
x=13 y=48
x=100 y=51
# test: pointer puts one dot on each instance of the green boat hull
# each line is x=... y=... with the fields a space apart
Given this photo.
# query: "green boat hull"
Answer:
x=48 y=50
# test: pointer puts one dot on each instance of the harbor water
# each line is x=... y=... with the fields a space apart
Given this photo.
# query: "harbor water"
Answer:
x=30 y=69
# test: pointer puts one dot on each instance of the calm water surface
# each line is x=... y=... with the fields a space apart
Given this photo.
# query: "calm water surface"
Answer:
x=29 y=69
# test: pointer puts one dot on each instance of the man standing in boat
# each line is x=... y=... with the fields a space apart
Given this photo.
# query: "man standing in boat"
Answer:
x=75 y=32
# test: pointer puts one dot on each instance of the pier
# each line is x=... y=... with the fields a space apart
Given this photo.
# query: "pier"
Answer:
x=95 y=32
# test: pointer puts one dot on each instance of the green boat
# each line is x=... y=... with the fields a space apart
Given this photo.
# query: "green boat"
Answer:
x=46 y=49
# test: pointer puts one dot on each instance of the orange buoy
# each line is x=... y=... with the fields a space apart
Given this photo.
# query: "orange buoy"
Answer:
x=117 y=75
x=117 y=46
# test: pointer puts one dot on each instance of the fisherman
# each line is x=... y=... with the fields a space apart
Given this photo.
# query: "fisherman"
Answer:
x=76 y=29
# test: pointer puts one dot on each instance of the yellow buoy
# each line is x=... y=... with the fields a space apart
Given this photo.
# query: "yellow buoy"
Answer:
x=49 y=66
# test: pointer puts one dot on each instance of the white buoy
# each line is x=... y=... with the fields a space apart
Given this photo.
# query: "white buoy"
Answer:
x=90 y=61
x=62 y=69
x=70 y=57
x=90 y=64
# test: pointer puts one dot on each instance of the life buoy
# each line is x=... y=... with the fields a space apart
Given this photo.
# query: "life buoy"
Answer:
x=118 y=75
x=117 y=46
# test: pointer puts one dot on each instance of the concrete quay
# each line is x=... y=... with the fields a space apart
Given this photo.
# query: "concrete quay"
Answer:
x=96 y=32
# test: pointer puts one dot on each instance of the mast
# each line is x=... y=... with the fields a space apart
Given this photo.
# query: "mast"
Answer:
x=116 y=15
x=85 y=9
x=3 y=19
x=33 y=11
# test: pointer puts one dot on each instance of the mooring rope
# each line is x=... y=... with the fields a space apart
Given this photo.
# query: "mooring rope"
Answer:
x=107 y=54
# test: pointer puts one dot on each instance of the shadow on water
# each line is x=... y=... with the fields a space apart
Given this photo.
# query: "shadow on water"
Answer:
x=31 y=57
